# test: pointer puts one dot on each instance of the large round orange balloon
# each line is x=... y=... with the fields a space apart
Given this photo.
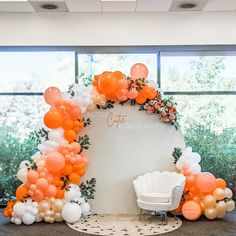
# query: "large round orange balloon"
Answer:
x=55 y=161
x=206 y=182
x=220 y=183
x=191 y=210
x=141 y=98
x=108 y=83
x=53 y=119
x=21 y=192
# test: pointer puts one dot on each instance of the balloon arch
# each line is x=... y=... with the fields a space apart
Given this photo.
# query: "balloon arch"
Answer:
x=51 y=189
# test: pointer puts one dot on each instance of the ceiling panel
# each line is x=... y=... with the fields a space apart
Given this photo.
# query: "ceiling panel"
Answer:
x=84 y=5
x=16 y=6
x=199 y=5
x=118 y=6
x=61 y=6
x=220 y=5
x=153 y=5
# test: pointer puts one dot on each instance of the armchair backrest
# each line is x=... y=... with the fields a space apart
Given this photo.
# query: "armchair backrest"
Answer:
x=162 y=182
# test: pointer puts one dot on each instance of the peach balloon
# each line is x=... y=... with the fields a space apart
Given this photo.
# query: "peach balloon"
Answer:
x=55 y=161
x=219 y=194
x=33 y=176
x=210 y=213
x=51 y=191
x=42 y=184
x=76 y=147
x=52 y=95
x=123 y=84
x=138 y=70
x=206 y=182
x=209 y=201
x=38 y=197
x=191 y=210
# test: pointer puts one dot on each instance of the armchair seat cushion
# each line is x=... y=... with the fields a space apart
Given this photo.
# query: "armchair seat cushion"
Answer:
x=155 y=197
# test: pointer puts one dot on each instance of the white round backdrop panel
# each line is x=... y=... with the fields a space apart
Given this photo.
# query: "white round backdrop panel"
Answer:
x=126 y=143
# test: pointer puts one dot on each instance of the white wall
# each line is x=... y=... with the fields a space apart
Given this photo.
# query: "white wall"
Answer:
x=118 y=29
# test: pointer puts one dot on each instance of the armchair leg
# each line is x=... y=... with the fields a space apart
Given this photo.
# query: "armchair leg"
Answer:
x=140 y=214
x=165 y=218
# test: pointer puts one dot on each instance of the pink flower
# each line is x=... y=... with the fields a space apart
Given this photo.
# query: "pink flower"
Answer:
x=168 y=104
x=150 y=109
x=172 y=117
x=163 y=113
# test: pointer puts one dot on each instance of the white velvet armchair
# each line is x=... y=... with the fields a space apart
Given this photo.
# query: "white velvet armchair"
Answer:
x=159 y=191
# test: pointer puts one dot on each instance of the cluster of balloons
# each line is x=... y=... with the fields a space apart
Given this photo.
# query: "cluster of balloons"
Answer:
x=49 y=189
x=63 y=113
x=203 y=193
x=115 y=85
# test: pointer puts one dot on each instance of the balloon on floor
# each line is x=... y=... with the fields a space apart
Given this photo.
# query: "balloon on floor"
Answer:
x=203 y=193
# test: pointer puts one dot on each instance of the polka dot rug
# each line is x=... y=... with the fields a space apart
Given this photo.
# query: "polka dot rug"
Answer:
x=124 y=225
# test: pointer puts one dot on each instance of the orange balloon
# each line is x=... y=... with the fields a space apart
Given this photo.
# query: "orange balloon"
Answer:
x=140 y=99
x=118 y=74
x=21 y=193
x=67 y=169
x=190 y=181
x=220 y=183
x=60 y=193
x=74 y=178
x=108 y=83
x=67 y=124
x=206 y=182
x=70 y=135
x=151 y=93
x=33 y=176
x=55 y=161
x=42 y=184
x=53 y=119
x=191 y=210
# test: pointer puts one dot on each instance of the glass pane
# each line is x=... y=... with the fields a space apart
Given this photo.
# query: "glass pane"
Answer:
x=91 y=64
x=209 y=126
x=19 y=116
x=198 y=73
x=35 y=71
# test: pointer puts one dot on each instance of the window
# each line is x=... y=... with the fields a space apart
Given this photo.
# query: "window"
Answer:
x=201 y=79
x=204 y=87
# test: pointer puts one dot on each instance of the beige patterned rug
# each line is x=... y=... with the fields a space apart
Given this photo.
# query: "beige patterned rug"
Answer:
x=124 y=225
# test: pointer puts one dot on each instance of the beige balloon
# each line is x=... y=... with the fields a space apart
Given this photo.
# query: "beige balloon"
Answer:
x=220 y=206
x=220 y=214
x=230 y=205
x=209 y=201
x=210 y=213
x=57 y=205
x=44 y=205
x=228 y=193
x=58 y=217
x=202 y=206
x=219 y=194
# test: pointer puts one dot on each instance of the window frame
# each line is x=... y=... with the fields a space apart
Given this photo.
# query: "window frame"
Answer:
x=159 y=50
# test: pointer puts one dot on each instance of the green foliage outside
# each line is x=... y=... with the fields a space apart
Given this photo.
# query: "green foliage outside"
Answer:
x=12 y=152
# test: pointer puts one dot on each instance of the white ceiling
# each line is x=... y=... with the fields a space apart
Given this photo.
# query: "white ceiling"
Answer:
x=25 y=6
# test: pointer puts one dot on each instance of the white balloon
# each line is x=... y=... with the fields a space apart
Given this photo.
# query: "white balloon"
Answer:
x=71 y=212
x=38 y=218
x=19 y=209
x=230 y=205
x=18 y=221
x=228 y=193
x=85 y=207
x=12 y=220
x=28 y=218
x=70 y=194
x=24 y=164
x=195 y=168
